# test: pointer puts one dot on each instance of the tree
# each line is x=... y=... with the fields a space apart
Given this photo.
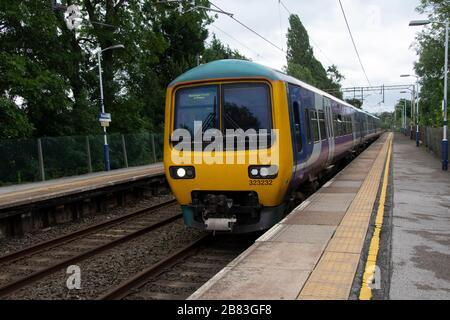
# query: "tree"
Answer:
x=54 y=70
x=355 y=102
x=36 y=63
x=398 y=113
x=430 y=48
x=302 y=64
x=216 y=50
x=13 y=120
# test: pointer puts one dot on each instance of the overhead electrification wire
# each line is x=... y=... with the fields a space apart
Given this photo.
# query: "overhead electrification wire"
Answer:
x=251 y=30
x=354 y=44
x=281 y=25
x=240 y=42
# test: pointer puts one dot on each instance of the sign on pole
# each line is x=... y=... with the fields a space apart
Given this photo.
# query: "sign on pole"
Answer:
x=105 y=119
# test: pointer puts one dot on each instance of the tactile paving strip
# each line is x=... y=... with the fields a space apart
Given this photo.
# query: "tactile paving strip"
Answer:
x=332 y=278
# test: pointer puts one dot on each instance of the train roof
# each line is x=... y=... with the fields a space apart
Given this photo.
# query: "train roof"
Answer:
x=232 y=68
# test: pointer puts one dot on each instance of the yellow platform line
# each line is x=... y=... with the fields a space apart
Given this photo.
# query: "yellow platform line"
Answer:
x=339 y=262
x=369 y=273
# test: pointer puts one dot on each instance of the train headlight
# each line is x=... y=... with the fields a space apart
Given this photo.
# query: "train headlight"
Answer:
x=263 y=172
x=182 y=172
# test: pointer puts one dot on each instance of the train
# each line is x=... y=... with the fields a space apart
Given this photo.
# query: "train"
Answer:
x=242 y=141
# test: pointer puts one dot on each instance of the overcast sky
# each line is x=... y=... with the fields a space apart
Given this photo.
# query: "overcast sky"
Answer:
x=380 y=29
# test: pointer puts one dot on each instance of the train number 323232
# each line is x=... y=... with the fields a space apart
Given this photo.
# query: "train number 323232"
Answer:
x=261 y=182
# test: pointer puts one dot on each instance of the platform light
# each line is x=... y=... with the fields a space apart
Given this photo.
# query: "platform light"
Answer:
x=444 y=143
x=103 y=116
x=416 y=23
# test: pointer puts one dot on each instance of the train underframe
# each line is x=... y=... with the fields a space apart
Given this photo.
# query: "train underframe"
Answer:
x=234 y=211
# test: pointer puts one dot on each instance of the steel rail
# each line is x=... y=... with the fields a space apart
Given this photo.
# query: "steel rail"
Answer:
x=122 y=290
x=26 y=280
x=71 y=236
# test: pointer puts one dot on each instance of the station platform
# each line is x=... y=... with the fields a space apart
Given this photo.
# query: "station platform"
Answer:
x=315 y=252
x=421 y=224
x=31 y=193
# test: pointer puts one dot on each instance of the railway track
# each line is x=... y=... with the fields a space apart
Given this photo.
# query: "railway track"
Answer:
x=179 y=275
x=23 y=267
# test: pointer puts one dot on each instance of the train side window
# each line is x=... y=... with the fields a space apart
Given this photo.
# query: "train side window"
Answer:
x=322 y=125
x=314 y=125
x=296 y=107
x=308 y=126
x=340 y=125
x=335 y=125
x=348 y=125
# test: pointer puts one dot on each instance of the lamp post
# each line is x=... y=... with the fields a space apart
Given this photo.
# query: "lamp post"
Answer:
x=417 y=105
x=104 y=118
x=414 y=105
x=406 y=122
x=444 y=102
x=395 y=117
x=404 y=117
x=403 y=122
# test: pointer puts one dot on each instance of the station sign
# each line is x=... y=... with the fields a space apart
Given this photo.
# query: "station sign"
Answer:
x=105 y=119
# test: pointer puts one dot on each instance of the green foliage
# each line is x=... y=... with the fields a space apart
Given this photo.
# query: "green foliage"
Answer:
x=216 y=50
x=387 y=120
x=13 y=121
x=302 y=64
x=54 y=70
x=398 y=113
x=355 y=102
x=430 y=67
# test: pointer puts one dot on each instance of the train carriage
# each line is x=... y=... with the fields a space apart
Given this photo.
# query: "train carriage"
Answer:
x=231 y=187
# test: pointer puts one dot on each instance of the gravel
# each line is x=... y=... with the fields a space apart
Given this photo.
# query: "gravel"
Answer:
x=100 y=273
x=8 y=245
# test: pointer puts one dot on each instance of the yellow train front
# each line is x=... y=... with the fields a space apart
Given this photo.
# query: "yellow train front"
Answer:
x=234 y=184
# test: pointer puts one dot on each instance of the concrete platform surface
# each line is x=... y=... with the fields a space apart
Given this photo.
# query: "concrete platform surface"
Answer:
x=16 y=195
x=313 y=253
x=421 y=225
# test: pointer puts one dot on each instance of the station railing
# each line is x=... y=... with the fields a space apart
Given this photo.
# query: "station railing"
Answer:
x=432 y=139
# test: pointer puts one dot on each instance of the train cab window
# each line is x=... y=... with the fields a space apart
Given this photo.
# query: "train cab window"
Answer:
x=314 y=124
x=197 y=104
x=246 y=106
x=322 y=125
x=298 y=135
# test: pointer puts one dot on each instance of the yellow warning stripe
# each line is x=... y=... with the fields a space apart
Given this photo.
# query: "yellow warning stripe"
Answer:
x=369 y=273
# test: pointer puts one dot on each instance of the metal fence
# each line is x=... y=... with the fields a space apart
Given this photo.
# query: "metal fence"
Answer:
x=30 y=160
x=432 y=139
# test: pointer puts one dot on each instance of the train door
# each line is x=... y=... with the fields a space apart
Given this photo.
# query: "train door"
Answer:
x=360 y=128
x=302 y=139
x=329 y=126
x=354 y=128
x=295 y=112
